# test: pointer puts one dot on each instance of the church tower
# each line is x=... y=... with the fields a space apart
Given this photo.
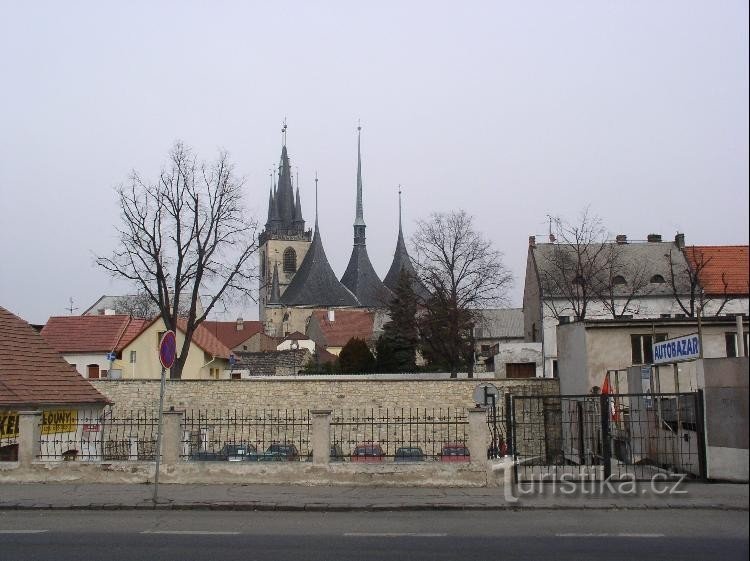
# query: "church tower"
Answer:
x=360 y=276
x=284 y=241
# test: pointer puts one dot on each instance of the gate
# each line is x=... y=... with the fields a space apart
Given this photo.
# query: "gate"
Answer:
x=593 y=437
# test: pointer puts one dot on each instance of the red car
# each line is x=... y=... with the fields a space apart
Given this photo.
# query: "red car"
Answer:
x=454 y=452
x=368 y=452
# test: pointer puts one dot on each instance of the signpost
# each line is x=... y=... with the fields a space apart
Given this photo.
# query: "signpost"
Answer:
x=167 y=355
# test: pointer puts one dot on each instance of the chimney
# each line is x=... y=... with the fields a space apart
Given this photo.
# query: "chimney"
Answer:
x=240 y=324
x=679 y=241
x=653 y=238
x=621 y=239
x=331 y=315
x=532 y=241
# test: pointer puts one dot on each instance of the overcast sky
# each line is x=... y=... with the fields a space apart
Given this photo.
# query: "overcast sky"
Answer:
x=509 y=110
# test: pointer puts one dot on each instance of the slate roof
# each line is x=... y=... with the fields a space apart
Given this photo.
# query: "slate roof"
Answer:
x=284 y=210
x=506 y=323
x=362 y=280
x=402 y=262
x=228 y=334
x=722 y=263
x=91 y=334
x=346 y=325
x=32 y=373
x=315 y=283
x=632 y=255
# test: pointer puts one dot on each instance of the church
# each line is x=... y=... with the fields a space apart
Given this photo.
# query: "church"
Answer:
x=296 y=278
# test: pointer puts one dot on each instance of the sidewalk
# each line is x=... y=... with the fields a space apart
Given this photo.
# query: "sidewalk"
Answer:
x=347 y=498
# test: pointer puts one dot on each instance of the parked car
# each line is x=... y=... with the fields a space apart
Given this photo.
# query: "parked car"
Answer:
x=454 y=452
x=280 y=452
x=409 y=454
x=368 y=452
x=230 y=452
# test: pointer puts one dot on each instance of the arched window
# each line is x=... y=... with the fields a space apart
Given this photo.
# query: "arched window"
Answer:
x=290 y=260
x=619 y=279
x=657 y=279
x=262 y=265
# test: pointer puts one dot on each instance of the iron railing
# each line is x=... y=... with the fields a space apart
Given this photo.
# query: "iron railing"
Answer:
x=399 y=434
x=236 y=435
x=587 y=437
x=98 y=435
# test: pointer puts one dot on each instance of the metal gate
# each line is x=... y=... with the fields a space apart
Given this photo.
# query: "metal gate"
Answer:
x=595 y=437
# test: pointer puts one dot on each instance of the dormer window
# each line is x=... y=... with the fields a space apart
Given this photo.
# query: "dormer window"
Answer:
x=657 y=279
x=619 y=279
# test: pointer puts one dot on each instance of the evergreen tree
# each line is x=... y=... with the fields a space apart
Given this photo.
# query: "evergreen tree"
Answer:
x=397 y=345
x=356 y=357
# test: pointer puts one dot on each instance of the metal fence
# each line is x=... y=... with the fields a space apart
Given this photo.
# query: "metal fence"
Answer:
x=399 y=434
x=232 y=435
x=587 y=437
x=98 y=435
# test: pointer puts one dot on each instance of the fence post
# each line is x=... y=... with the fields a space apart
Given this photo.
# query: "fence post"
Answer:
x=171 y=442
x=606 y=440
x=321 y=436
x=29 y=434
x=479 y=434
x=700 y=429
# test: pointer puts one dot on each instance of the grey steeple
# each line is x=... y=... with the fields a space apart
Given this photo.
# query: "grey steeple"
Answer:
x=274 y=297
x=360 y=276
x=284 y=208
x=298 y=209
x=402 y=262
x=315 y=283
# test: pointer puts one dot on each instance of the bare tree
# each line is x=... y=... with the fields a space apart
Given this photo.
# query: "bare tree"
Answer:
x=138 y=305
x=621 y=282
x=573 y=267
x=685 y=283
x=463 y=273
x=182 y=236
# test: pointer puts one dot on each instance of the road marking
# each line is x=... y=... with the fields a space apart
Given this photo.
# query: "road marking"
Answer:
x=392 y=535
x=190 y=532
x=23 y=531
x=622 y=535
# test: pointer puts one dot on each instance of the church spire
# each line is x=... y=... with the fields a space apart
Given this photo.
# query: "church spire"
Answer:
x=359 y=219
x=275 y=298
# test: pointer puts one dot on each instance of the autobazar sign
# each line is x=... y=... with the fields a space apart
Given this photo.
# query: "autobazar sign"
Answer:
x=677 y=350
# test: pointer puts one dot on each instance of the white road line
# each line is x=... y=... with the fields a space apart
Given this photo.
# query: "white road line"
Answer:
x=392 y=535
x=621 y=535
x=23 y=531
x=190 y=532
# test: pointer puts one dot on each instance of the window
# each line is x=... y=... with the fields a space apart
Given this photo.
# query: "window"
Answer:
x=665 y=316
x=657 y=279
x=619 y=279
x=159 y=335
x=731 y=343
x=290 y=260
x=555 y=369
x=642 y=349
x=132 y=357
x=263 y=264
x=563 y=320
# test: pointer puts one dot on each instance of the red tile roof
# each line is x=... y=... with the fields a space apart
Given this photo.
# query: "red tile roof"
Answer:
x=726 y=268
x=91 y=334
x=33 y=373
x=206 y=340
x=295 y=336
x=346 y=325
x=229 y=335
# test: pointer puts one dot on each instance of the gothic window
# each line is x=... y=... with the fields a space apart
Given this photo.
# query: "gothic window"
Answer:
x=290 y=260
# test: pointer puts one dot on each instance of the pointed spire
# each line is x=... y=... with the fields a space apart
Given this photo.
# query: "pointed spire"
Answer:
x=402 y=262
x=359 y=219
x=298 y=209
x=316 y=200
x=400 y=230
x=274 y=298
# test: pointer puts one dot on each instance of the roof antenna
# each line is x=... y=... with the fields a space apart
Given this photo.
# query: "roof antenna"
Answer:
x=70 y=307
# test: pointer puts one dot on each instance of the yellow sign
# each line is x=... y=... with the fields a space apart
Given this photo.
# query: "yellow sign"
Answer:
x=59 y=420
x=8 y=424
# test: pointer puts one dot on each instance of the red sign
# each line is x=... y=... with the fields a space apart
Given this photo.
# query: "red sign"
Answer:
x=168 y=349
x=91 y=427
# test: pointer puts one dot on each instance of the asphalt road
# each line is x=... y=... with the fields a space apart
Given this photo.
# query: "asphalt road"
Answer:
x=430 y=535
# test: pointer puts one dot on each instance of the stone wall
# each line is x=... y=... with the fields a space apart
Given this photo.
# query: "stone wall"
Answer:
x=302 y=393
x=273 y=363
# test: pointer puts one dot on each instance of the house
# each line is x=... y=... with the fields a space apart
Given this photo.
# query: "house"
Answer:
x=723 y=273
x=207 y=358
x=33 y=376
x=494 y=328
x=296 y=340
x=241 y=335
x=623 y=279
x=118 y=346
x=592 y=347
x=92 y=343
x=332 y=329
x=136 y=305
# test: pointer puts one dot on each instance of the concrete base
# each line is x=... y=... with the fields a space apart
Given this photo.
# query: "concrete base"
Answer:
x=728 y=464
x=293 y=473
